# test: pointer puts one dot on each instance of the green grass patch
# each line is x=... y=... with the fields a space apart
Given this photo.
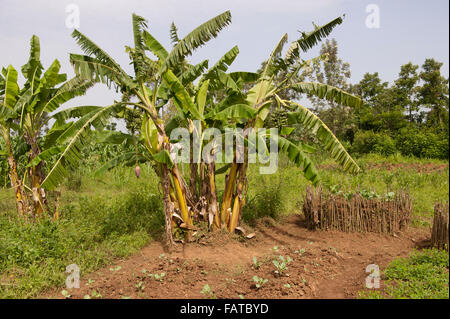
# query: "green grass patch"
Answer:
x=100 y=222
x=117 y=214
x=422 y=275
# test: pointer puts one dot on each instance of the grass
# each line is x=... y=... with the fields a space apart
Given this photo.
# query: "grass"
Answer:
x=422 y=275
x=103 y=221
x=115 y=216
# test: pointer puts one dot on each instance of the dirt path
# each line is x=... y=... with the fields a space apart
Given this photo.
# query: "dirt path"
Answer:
x=324 y=265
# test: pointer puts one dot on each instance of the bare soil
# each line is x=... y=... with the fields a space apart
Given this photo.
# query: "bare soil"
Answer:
x=326 y=264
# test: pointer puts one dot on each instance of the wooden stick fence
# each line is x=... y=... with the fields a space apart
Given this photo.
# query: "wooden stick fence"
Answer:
x=358 y=214
x=439 y=232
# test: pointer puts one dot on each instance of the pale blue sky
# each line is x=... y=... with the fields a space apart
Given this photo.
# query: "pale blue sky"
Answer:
x=409 y=31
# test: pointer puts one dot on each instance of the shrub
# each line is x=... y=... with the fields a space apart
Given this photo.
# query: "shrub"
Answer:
x=411 y=141
x=369 y=142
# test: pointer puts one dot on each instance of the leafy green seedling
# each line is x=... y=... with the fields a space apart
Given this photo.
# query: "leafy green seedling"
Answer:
x=66 y=294
x=140 y=286
x=256 y=263
x=207 y=292
x=159 y=277
x=259 y=282
x=94 y=294
x=281 y=264
x=115 y=268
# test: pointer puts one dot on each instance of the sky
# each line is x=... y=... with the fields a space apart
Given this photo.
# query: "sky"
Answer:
x=408 y=30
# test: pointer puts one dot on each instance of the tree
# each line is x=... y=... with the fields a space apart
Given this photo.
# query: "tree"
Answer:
x=406 y=89
x=369 y=88
x=434 y=93
x=335 y=72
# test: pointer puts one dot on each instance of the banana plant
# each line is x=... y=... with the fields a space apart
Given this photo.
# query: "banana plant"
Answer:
x=25 y=111
x=249 y=111
x=218 y=99
x=263 y=94
x=8 y=97
x=153 y=85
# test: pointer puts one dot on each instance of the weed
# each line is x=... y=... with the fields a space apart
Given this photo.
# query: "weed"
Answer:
x=300 y=252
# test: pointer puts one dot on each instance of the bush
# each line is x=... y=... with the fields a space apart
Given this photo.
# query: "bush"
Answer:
x=366 y=142
x=412 y=142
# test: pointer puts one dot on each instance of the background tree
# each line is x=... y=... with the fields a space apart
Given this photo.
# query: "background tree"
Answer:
x=333 y=71
x=434 y=93
x=405 y=88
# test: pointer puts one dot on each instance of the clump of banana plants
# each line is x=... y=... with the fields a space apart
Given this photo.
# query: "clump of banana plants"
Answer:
x=24 y=112
x=244 y=100
x=156 y=82
x=204 y=98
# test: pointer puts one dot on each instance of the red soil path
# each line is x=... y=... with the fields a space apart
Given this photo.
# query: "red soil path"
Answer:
x=332 y=265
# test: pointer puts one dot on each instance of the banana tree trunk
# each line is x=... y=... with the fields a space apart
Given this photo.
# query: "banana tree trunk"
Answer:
x=181 y=194
x=239 y=199
x=213 y=206
x=16 y=183
x=172 y=183
x=36 y=178
x=169 y=206
x=193 y=178
x=203 y=192
x=230 y=181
